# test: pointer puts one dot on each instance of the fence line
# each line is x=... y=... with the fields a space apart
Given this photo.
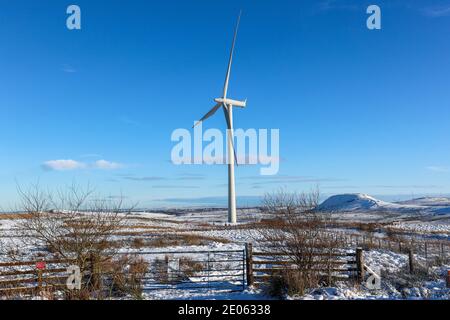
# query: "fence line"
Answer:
x=220 y=269
x=429 y=250
x=188 y=269
x=344 y=266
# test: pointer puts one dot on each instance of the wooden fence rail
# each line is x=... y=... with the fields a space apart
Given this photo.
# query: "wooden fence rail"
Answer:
x=26 y=277
x=345 y=265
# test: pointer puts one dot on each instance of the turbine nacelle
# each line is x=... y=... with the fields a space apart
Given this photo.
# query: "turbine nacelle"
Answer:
x=231 y=102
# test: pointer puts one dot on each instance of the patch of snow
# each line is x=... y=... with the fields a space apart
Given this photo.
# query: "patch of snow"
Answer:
x=428 y=202
x=358 y=202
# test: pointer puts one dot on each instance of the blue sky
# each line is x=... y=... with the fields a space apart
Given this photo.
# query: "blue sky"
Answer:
x=358 y=110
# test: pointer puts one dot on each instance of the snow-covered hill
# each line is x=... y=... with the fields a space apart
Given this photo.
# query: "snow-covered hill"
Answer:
x=351 y=202
x=358 y=202
x=428 y=202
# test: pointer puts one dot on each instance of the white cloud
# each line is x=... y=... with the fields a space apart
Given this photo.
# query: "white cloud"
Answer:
x=438 y=169
x=107 y=165
x=63 y=165
x=67 y=165
x=440 y=11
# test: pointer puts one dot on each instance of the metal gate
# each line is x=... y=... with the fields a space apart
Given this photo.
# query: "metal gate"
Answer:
x=184 y=270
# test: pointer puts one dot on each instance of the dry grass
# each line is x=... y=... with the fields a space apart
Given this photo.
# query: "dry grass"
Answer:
x=184 y=239
x=138 y=243
x=189 y=267
x=167 y=240
x=145 y=226
x=14 y=216
x=159 y=220
x=290 y=282
x=135 y=233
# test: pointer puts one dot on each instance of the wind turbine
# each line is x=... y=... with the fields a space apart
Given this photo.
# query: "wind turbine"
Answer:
x=227 y=105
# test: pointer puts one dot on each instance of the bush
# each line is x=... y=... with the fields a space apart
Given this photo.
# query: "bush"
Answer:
x=299 y=234
x=189 y=267
x=138 y=243
x=277 y=287
x=292 y=283
x=127 y=274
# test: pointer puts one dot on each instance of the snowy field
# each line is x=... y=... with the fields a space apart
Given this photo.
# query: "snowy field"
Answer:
x=207 y=230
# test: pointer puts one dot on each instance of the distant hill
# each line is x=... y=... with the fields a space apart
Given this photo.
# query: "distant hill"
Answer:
x=428 y=201
x=358 y=202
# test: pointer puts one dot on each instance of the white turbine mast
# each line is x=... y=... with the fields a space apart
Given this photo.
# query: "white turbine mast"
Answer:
x=227 y=106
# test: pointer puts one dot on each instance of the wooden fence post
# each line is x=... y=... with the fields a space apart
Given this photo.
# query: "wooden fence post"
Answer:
x=95 y=280
x=444 y=253
x=209 y=271
x=411 y=261
x=249 y=263
x=360 y=264
x=39 y=273
x=448 y=278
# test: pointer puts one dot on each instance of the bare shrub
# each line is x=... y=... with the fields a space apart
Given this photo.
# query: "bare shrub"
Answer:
x=277 y=287
x=299 y=234
x=368 y=227
x=283 y=202
x=127 y=274
x=189 y=267
x=83 y=294
x=71 y=224
x=138 y=243
x=391 y=234
x=437 y=261
x=288 y=283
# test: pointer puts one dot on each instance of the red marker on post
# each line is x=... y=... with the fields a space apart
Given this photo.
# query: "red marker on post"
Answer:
x=40 y=265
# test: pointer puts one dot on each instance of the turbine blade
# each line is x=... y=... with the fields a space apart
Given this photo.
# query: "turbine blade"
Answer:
x=227 y=118
x=227 y=78
x=209 y=114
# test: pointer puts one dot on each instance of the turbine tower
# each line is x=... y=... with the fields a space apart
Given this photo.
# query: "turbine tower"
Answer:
x=227 y=107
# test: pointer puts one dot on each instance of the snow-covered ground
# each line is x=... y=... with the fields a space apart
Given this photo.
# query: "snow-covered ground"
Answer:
x=427 y=202
x=424 y=227
x=393 y=284
x=212 y=225
x=363 y=203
